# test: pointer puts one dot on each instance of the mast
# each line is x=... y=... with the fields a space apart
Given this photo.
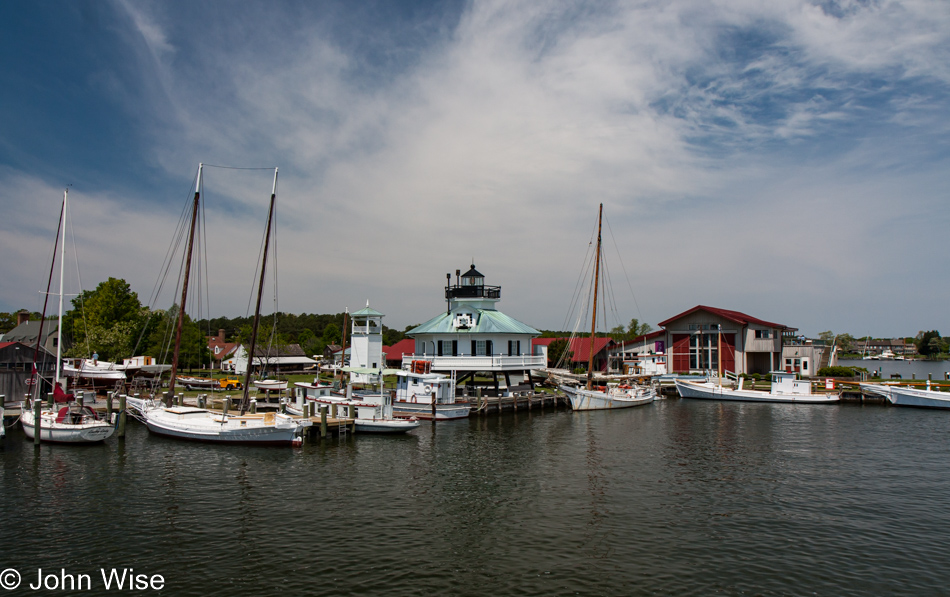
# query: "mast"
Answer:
x=62 y=267
x=260 y=290
x=39 y=335
x=593 y=319
x=184 y=290
x=343 y=350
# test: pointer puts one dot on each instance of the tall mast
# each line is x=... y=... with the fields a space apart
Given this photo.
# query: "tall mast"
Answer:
x=593 y=319
x=62 y=264
x=49 y=283
x=260 y=290
x=343 y=350
x=184 y=289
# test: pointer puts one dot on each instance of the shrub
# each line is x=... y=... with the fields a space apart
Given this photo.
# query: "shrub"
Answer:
x=836 y=371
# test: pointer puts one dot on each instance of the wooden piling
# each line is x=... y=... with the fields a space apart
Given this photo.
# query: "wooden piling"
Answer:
x=323 y=421
x=109 y=406
x=433 y=408
x=37 y=422
x=120 y=432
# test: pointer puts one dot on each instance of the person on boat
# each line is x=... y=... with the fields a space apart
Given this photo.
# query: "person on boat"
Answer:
x=59 y=395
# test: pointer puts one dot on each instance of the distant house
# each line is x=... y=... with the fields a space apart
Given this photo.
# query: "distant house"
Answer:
x=396 y=352
x=26 y=332
x=580 y=349
x=289 y=357
x=16 y=368
x=220 y=349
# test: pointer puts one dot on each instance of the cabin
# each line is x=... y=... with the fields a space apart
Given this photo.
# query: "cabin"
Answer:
x=220 y=349
x=471 y=336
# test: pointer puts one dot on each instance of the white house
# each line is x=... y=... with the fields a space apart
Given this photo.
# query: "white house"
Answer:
x=471 y=336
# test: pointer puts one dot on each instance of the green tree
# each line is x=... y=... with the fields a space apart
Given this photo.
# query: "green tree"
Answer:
x=923 y=343
x=107 y=321
x=557 y=351
x=331 y=334
x=192 y=353
x=636 y=329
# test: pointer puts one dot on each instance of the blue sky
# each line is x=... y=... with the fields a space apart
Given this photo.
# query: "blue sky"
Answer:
x=787 y=159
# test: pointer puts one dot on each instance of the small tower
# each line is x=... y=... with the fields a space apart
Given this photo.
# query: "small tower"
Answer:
x=366 y=343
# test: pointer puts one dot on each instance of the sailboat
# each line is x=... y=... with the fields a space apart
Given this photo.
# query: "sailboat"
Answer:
x=186 y=422
x=609 y=396
x=62 y=421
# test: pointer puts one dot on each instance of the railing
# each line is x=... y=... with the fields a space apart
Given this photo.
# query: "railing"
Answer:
x=491 y=292
x=479 y=363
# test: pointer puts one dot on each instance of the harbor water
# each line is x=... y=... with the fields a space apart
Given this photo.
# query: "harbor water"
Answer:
x=918 y=369
x=680 y=497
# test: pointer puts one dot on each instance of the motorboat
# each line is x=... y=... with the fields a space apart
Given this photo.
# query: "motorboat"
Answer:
x=786 y=387
x=908 y=396
x=426 y=395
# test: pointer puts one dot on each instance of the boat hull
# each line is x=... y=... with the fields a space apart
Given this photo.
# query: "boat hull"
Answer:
x=443 y=412
x=386 y=425
x=899 y=396
x=64 y=433
x=709 y=391
x=205 y=426
x=582 y=399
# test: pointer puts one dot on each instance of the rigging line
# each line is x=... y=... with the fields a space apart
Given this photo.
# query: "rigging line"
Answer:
x=156 y=289
x=81 y=297
x=624 y=268
x=207 y=277
x=579 y=285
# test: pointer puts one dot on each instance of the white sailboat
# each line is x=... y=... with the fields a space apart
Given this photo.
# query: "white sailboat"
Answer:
x=61 y=421
x=200 y=424
x=604 y=397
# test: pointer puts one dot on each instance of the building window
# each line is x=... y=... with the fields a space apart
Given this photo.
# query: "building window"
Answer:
x=703 y=351
x=480 y=348
x=763 y=334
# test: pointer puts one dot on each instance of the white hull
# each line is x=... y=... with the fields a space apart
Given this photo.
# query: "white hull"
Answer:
x=89 y=431
x=385 y=425
x=198 y=424
x=711 y=391
x=582 y=399
x=903 y=396
x=270 y=385
x=443 y=412
x=89 y=371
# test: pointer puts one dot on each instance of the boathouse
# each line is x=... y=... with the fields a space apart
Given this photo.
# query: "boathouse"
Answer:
x=16 y=368
x=580 y=351
x=26 y=332
x=472 y=336
x=692 y=339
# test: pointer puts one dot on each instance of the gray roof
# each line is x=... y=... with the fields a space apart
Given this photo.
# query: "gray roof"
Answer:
x=487 y=321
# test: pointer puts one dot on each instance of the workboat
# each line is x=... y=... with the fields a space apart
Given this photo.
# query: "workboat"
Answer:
x=785 y=388
x=63 y=420
x=200 y=424
x=907 y=396
x=371 y=413
x=426 y=395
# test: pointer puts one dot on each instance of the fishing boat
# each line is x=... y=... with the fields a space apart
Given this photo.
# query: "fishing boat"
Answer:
x=908 y=396
x=192 y=423
x=426 y=395
x=786 y=387
x=605 y=397
x=63 y=420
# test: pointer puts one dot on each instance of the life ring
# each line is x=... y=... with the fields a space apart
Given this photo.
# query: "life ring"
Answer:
x=428 y=389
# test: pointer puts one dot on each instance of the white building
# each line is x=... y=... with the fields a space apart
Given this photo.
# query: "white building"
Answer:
x=471 y=336
x=366 y=343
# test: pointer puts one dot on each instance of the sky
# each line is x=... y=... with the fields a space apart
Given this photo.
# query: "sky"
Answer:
x=788 y=159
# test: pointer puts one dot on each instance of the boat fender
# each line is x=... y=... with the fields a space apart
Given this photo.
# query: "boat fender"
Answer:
x=624 y=387
x=413 y=399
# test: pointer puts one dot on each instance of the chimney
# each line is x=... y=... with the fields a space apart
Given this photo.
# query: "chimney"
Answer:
x=221 y=336
x=22 y=316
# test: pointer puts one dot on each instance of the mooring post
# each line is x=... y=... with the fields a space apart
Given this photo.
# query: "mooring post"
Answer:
x=253 y=406
x=433 y=408
x=120 y=432
x=478 y=399
x=224 y=405
x=323 y=421
x=37 y=422
x=109 y=406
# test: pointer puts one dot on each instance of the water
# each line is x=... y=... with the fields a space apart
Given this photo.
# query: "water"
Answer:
x=679 y=497
x=906 y=369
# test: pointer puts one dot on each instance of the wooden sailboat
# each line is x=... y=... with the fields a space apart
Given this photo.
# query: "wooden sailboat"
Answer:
x=186 y=422
x=62 y=420
x=604 y=397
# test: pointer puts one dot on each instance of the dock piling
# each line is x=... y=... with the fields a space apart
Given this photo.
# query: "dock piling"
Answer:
x=323 y=421
x=120 y=431
x=37 y=422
